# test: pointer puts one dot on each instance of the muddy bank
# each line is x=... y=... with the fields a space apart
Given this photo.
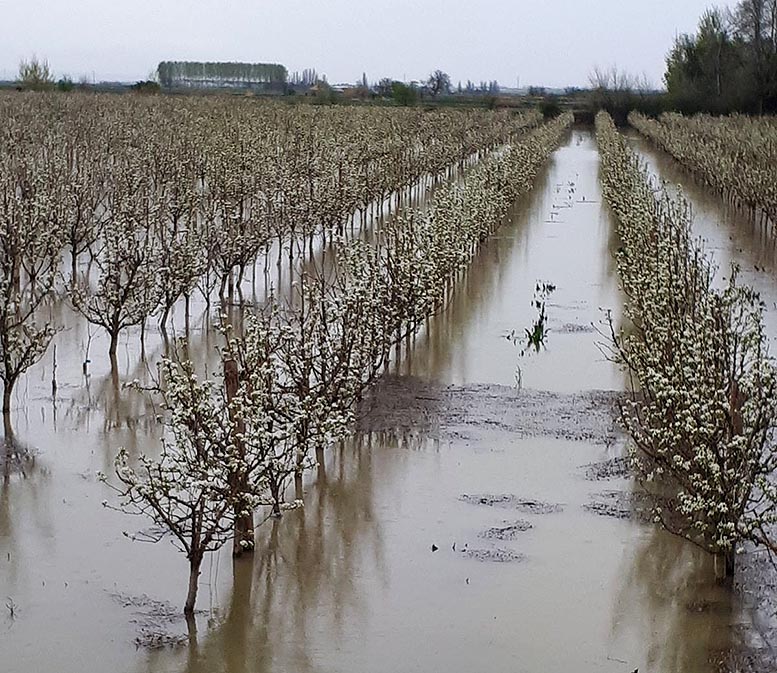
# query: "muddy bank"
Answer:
x=407 y=403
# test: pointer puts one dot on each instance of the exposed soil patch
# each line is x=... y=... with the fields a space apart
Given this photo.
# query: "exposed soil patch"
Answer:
x=509 y=530
x=574 y=328
x=495 y=555
x=614 y=468
x=510 y=501
x=154 y=620
x=620 y=505
x=410 y=403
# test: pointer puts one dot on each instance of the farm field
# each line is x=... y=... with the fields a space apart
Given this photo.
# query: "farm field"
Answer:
x=371 y=379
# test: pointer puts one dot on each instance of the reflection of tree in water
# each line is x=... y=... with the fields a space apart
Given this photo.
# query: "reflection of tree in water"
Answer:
x=308 y=575
x=669 y=595
x=23 y=495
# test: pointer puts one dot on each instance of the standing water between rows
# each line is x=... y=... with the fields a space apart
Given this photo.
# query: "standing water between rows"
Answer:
x=478 y=521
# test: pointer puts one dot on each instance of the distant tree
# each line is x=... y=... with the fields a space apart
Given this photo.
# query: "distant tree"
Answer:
x=309 y=77
x=404 y=94
x=754 y=23
x=361 y=89
x=324 y=92
x=385 y=88
x=729 y=64
x=65 y=84
x=439 y=82
x=704 y=66
x=199 y=74
x=618 y=92
x=550 y=107
x=146 y=86
x=35 y=75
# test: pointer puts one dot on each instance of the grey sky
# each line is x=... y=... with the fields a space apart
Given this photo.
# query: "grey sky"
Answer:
x=550 y=42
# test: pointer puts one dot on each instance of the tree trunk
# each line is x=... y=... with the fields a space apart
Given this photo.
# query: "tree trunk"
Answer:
x=275 y=492
x=163 y=320
x=7 y=392
x=243 y=535
x=298 y=491
x=725 y=565
x=112 y=348
x=194 y=576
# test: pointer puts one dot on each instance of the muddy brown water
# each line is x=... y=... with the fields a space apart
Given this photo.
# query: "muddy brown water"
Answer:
x=539 y=565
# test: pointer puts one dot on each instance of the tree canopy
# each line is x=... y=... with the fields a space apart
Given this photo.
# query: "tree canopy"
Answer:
x=188 y=73
x=729 y=64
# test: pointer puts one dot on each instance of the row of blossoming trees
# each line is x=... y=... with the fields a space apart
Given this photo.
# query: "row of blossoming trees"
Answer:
x=127 y=207
x=733 y=155
x=703 y=413
x=293 y=377
x=147 y=201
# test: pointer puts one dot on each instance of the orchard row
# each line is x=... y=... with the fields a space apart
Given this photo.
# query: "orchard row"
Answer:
x=736 y=156
x=294 y=372
x=704 y=406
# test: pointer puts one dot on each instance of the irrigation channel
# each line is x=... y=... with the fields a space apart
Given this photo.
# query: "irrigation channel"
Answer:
x=480 y=520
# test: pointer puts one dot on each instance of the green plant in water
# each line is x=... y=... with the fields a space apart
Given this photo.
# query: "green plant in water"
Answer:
x=535 y=336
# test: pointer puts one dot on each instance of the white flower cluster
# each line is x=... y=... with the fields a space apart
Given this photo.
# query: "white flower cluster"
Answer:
x=703 y=411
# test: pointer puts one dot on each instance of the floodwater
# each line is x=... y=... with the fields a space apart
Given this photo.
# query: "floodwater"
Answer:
x=463 y=529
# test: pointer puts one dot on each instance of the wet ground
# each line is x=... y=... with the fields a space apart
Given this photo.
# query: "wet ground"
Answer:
x=481 y=520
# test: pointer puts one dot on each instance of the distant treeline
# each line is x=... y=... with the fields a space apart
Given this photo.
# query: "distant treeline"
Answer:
x=214 y=74
x=729 y=64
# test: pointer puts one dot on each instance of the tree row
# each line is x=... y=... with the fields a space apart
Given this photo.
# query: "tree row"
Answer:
x=703 y=408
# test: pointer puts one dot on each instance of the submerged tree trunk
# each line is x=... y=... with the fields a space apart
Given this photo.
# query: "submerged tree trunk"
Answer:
x=299 y=493
x=725 y=566
x=195 y=561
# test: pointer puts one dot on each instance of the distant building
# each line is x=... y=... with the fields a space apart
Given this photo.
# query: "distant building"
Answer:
x=215 y=75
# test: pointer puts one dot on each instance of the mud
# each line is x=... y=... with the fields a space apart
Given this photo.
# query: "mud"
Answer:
x=157 y=623
x=496 y=555
x=612 y=468
x=621 y=505
x=410 y=403
x=573 y=328
x=509 y=501
x=509 y=530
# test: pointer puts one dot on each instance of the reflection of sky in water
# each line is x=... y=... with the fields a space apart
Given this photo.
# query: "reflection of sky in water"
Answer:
x=350 y=583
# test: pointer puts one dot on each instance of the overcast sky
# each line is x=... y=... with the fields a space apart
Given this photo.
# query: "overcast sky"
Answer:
x=548 y=42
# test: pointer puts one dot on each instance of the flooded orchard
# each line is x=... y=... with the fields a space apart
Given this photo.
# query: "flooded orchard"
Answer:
x=481 y=517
